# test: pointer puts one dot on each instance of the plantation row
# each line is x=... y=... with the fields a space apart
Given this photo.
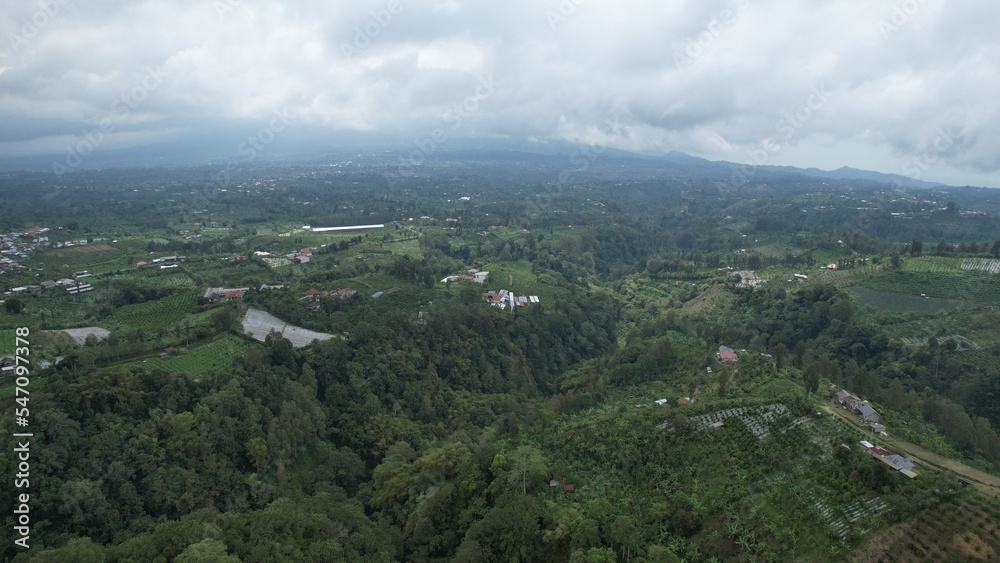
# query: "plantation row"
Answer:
x=154 y=315
x=982 y=264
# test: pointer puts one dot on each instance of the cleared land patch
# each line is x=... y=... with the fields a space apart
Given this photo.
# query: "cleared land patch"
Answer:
x=81 y=334
x=258 y=324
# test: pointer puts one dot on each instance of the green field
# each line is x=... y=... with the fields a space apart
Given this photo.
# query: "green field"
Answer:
x=409 y=248
x=213 y=358
x=971 y=286
x=7 y=341
x=518 y=277
x=906 y=303
x=152 y=315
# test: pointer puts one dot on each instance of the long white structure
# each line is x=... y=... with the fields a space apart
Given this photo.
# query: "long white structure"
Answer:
x=353 y=228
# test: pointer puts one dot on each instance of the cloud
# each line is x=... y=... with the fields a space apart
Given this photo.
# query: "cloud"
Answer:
x=713 y=78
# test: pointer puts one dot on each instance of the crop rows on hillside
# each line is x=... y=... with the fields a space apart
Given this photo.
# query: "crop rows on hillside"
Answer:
x=152 y=315
x=982 y=264
x=214 y=357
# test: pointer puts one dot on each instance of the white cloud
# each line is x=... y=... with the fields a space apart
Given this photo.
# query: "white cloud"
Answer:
x=712 y=78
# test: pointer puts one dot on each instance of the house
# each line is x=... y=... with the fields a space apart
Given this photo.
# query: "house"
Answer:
x=850 y=401
x=49 y=284
x=345 y=293
x=879 y=429
x=8 y=363
x=893 y=460
x=569 y=488
x=214 y=294
x=726 y=355
x=868 y=414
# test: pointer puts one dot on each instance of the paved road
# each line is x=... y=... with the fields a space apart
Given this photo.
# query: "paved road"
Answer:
x=986 y=482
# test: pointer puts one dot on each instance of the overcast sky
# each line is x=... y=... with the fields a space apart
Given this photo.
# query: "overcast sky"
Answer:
x=909 y=87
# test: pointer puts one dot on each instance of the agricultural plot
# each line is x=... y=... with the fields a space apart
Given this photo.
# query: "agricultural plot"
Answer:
x=840 y=521
x=7 y=341
x=843 y=278
x=962 y=530
x=152 y=315
x=937 y=264
x=756 y=419
x=981 y=264
x=409 y=248
x=213 y=358
x=97 y=258
x=258 y=324
x=779 y=250
x=906 y=303
x=949 y=282
x=518 y=277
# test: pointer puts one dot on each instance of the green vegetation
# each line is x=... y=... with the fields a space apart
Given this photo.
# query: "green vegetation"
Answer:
x=595 y=425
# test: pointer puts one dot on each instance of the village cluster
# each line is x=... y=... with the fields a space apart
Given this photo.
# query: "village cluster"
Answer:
x=504 y=299
x=18 y=245
x=72 y=285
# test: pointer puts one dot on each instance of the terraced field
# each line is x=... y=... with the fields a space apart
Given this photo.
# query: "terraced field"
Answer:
x=152 y=315
x=214 y=358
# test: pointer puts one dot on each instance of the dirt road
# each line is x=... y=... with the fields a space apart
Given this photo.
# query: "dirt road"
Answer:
x=986 y=482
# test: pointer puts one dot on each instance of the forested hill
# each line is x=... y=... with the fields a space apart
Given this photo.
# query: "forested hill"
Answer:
x=658 y=388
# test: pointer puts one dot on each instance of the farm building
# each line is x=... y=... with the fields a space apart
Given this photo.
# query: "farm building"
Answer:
x=81 y=288
x=346 y=229
x=892 y=459
x=850 y=401
x=868 y=414
x=345 y=293
x=726 y=355
x=214 y=294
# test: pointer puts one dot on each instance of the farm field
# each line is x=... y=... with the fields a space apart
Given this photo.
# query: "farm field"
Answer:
x=152 y=315
x=213 y=358
x=518 y=277
x=7 y=342
x=947 y=283
x=905 y=303
x=962 y=530
x=409 y=248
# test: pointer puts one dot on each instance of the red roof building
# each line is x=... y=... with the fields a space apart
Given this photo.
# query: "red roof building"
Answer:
x=726 y=355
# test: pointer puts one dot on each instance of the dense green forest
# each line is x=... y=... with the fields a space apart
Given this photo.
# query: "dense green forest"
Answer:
x=596 y=424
